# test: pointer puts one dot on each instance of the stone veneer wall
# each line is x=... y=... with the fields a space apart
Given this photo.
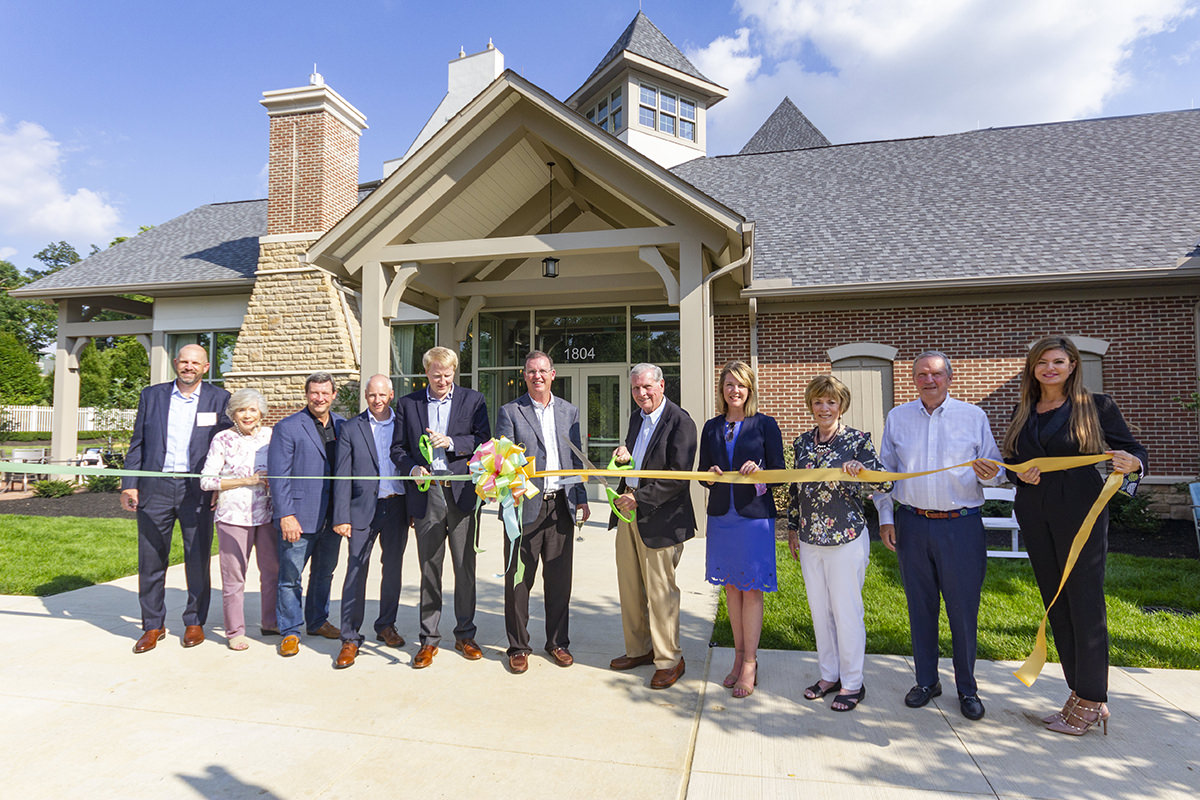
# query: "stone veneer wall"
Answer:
x=296 y=324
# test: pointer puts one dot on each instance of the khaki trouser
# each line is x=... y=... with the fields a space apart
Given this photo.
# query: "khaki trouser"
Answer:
x=649 y=597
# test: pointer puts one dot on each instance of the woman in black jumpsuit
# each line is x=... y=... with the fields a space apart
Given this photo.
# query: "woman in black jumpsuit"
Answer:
x=1058 y=416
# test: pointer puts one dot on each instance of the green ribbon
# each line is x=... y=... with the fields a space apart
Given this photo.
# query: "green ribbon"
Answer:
x=426 y=448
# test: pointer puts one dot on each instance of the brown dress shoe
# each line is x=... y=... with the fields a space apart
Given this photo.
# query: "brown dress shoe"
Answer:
x=390 y=637
x=469 y=649
x=290 y=645
x=424 y=656
x=193 y=635
x=664 y=678
x=149 y=639
x=518 y=662
x=626 y=662
x=327 y=630
x=562 y=656
x=346 y=657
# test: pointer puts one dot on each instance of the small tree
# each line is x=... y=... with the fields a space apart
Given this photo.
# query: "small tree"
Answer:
x=20 y=380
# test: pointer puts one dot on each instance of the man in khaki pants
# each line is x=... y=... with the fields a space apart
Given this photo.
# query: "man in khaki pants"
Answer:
x=661 y=436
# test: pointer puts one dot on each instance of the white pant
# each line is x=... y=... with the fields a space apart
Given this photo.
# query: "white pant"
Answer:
x=833 y=580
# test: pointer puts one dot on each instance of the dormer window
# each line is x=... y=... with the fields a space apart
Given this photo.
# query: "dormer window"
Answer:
x=608 y=113
x=667 y=112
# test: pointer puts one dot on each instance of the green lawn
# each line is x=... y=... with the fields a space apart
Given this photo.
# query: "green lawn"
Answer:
x=47 y=555
x=1009 y=613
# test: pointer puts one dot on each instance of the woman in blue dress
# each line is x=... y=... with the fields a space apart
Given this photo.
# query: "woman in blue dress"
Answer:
x=741 y=517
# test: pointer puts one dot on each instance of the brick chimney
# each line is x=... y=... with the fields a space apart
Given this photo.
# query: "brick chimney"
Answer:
x=313 y=168
x=299 y=318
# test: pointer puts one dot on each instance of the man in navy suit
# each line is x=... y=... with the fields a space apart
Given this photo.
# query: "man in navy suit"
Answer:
x=175 y=424
x=364 y=509
x=542 y=424
x=661 y=436
x=304 y=444
x=456 y=421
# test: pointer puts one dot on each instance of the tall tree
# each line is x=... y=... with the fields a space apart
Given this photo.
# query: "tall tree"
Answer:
x=20 y=379
x=33 y=322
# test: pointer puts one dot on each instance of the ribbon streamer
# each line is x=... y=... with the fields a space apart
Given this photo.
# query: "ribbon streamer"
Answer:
x=613 y=466
x=502 y=472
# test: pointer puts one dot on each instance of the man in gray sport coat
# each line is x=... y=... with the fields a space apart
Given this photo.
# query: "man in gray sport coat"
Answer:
x=542 y=423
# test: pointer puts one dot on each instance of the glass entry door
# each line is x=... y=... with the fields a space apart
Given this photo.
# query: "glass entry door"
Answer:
x=601 y=392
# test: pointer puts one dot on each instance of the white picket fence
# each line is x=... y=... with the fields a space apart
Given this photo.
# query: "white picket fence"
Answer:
x=41 y=418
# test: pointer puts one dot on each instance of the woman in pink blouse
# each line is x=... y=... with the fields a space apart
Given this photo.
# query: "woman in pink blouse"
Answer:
x=237 y=466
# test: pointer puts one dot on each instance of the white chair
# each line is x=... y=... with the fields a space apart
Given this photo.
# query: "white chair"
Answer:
x=24 y=455
x=1008 y=524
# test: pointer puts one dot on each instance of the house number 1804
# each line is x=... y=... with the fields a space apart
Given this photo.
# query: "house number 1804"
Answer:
x=580 y=353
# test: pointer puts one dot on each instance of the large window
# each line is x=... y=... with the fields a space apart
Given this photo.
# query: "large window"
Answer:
x=666 y=112
x=409 y=343
x=218 y=344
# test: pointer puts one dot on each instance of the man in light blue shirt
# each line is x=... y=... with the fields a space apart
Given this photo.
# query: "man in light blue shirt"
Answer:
x=933 y=522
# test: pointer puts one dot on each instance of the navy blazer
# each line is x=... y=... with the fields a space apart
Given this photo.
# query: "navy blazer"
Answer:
x=760 y=441
x=665 y=515
x=518 y=421
x=148 y=447
x=297 y=449
x=354 y=501
x=468 y=427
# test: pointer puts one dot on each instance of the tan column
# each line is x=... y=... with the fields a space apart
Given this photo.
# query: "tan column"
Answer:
x=64 y=438
x=695 y=393
x=376 y=332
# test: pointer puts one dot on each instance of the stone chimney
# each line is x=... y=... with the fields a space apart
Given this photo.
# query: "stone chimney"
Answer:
x=300 y=319
x=313 y=168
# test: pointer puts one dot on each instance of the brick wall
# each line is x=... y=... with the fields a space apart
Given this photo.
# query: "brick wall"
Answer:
x=1150 y=361
x=313 y=172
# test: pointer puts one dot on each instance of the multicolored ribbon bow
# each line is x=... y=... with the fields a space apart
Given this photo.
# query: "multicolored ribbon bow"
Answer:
x=502 y=472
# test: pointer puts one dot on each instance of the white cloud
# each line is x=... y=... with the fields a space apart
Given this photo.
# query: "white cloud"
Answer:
x=33 y=198
x=892 y=68
x=7 y=252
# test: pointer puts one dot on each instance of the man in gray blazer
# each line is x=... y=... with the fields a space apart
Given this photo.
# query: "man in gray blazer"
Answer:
x=541 y=423
x=366 y=509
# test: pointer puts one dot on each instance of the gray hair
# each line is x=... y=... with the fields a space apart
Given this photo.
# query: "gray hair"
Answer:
x=656 y=372
x=245 y=398
x=935 y=354
x=319 y=377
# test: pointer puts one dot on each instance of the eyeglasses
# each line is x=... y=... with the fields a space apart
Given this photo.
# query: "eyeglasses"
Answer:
x=543 y=372
x=729 y=426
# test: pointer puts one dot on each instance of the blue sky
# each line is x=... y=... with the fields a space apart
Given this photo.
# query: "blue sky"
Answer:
x=120 y=114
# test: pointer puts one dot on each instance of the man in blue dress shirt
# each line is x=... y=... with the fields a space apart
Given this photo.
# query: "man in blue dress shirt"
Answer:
x=935 y=527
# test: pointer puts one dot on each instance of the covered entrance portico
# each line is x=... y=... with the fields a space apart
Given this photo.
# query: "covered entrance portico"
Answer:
x=460 y=228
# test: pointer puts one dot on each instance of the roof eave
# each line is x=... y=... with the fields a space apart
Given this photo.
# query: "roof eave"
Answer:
x=711 y=92
x=169 y=289
x=773 y=290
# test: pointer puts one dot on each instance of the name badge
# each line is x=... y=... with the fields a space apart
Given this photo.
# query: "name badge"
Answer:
x=206 y=419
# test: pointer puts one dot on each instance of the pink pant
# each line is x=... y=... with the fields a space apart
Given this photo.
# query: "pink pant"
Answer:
x=234 y=543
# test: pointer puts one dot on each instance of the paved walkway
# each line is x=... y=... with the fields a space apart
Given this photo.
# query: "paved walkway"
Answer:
x=84 y=717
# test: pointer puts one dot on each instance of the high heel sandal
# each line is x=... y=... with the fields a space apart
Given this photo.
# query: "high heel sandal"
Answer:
x=1062 y=712
x=735 y=673
x=1081 y=715
x=742 y=690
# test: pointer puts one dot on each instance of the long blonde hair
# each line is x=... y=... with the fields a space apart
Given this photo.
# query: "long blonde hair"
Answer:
x=1084 y=422
x=743 y=373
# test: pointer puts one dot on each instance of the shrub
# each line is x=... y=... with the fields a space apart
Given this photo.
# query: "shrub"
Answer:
x=1133 y=514
x=103 y=483
x=53 y=488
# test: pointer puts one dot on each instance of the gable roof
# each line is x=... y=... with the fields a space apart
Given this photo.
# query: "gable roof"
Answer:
x=211 y=247
x=786 y=129
x=643 y=38
x=1061 y=199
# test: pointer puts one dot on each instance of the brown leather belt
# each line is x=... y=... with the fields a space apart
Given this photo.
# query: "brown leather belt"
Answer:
x=927 y=514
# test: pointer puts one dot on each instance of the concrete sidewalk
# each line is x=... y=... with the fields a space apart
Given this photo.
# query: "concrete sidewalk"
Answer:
x=85 y=717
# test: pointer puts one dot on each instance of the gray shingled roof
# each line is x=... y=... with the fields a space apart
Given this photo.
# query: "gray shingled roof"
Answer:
x=786 y=129
x=217 y=242
x=645 y=39
x=1117 y=193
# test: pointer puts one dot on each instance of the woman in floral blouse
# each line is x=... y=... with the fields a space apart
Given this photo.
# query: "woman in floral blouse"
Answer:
x=237 y=466
x=827 y=533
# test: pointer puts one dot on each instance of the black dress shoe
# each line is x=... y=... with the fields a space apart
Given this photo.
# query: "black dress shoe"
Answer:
x=920 y=695
x=972 y=707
